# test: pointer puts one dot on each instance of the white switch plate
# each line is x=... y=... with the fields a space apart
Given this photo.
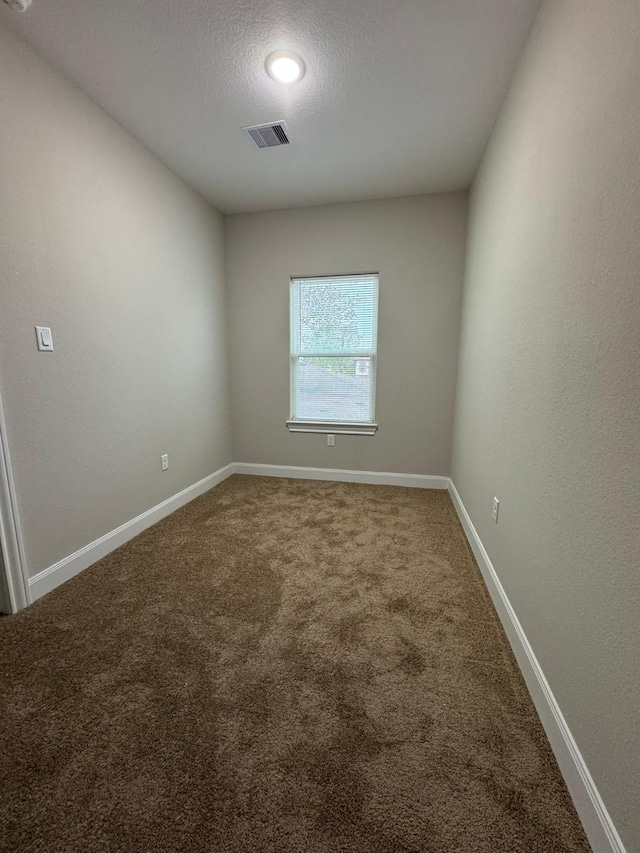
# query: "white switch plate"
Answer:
x=164 y=461
x=331 y=440
x=44 y=338
x=495 y=510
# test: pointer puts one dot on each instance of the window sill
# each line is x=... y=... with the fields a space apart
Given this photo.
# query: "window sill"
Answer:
x=335 y=428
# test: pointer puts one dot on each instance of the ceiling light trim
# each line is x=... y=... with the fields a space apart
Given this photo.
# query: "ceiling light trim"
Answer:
x=283 y=66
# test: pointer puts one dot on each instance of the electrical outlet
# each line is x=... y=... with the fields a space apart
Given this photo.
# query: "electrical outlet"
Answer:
x=164 y=461
x=331 y=440
x=496 y=508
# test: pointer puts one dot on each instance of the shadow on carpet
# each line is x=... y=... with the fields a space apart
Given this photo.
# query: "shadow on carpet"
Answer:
x=282 y=665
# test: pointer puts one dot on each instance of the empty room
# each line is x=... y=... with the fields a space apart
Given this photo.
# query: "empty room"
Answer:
x=320 y=426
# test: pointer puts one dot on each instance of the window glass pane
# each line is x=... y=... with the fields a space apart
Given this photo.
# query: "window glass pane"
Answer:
x=333 y=347
x=333 y=389
x=336 y=315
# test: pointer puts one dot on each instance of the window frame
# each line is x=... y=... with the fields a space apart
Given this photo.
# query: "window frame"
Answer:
x=338 y=427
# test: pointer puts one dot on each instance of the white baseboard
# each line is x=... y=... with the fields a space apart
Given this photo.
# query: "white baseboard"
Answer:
x=66 y=568
x=591 y=809
x=342 y=475
x=593 y=813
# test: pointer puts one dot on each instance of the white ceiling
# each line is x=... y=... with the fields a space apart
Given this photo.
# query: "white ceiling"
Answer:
x=398 y=99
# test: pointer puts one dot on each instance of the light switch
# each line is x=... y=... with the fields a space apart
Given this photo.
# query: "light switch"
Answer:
x=44 y=338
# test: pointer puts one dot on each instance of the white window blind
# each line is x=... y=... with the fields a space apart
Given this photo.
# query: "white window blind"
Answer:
x=334 y=324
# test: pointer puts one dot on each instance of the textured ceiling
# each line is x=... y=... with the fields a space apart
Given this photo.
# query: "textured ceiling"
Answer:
x=398 y=99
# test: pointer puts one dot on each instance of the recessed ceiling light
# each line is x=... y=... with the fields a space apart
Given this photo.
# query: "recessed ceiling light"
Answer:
x=285 y=67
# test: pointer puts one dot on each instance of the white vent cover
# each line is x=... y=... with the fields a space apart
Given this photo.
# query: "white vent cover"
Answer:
x=269 y=135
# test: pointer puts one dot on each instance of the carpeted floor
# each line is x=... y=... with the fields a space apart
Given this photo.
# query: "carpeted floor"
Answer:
x=282 y=665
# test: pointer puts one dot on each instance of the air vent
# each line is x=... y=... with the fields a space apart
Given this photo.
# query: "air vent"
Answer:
x=269 y=135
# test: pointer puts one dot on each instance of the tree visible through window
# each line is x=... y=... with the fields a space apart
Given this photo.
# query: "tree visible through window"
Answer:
x=333 y=349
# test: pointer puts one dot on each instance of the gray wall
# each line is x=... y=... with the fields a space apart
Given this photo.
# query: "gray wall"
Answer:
x=417 y=246
x=125 y=263
x=548 y=400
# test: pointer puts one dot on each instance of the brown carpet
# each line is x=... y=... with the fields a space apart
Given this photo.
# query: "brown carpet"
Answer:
x=281 y=665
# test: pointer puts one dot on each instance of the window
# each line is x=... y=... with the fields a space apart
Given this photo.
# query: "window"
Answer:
x=334 y=324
